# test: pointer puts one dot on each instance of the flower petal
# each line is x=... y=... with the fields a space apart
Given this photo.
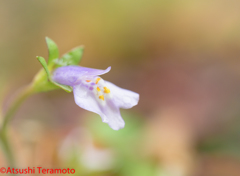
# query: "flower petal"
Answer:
x=86 y=100
x=70 y=75
x=113 y=116
x=109 y=112
x=122 y=97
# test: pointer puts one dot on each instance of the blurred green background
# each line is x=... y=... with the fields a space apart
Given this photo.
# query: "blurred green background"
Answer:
x=182 y=57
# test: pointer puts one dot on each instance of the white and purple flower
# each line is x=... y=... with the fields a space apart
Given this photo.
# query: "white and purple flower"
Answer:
x=94 y=94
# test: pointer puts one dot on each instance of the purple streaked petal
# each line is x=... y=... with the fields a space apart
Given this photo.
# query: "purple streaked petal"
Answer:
x=114 y=118
x=85 y=99
x=109 y=113
x=122 y=98
x=71 y=75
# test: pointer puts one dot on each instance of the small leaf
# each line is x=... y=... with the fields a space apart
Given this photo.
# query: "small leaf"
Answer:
x=53 y=52
x=71 y=58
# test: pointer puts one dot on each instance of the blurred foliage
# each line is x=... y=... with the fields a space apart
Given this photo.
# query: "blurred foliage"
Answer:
x=127 y=145
x=225 y=142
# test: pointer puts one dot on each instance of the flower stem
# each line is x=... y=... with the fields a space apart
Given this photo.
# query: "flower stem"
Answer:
x=7 y=150
x=23 y=94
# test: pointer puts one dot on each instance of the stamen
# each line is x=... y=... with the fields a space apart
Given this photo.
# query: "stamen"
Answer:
x=106 y=90
x=88 y=80
x=98 y=89
x=101 y=97
x=97 y=80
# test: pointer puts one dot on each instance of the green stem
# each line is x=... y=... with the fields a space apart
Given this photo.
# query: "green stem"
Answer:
x=25 y=93
x=7 y=150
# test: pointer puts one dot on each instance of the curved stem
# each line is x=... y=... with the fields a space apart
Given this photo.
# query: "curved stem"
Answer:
x=7 y=150
x=23 y=94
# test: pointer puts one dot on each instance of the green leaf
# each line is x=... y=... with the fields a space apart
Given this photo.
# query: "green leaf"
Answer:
x=71 y=58
x=53 y=52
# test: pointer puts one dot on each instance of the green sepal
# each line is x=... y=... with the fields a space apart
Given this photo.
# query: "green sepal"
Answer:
x=50 y=83
x=53 y=53
x=44 y=64
x=43 y=81
x=73 y=57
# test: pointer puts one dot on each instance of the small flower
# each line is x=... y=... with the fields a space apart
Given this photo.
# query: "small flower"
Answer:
x=94 y=94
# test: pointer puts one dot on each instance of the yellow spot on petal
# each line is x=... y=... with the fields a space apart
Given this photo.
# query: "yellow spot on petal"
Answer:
x=97 y=80
x=98 y=89
x=101 y=97
x=106 y=90
x=88 y=80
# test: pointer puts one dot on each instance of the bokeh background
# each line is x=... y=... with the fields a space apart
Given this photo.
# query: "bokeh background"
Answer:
x=182 y=57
